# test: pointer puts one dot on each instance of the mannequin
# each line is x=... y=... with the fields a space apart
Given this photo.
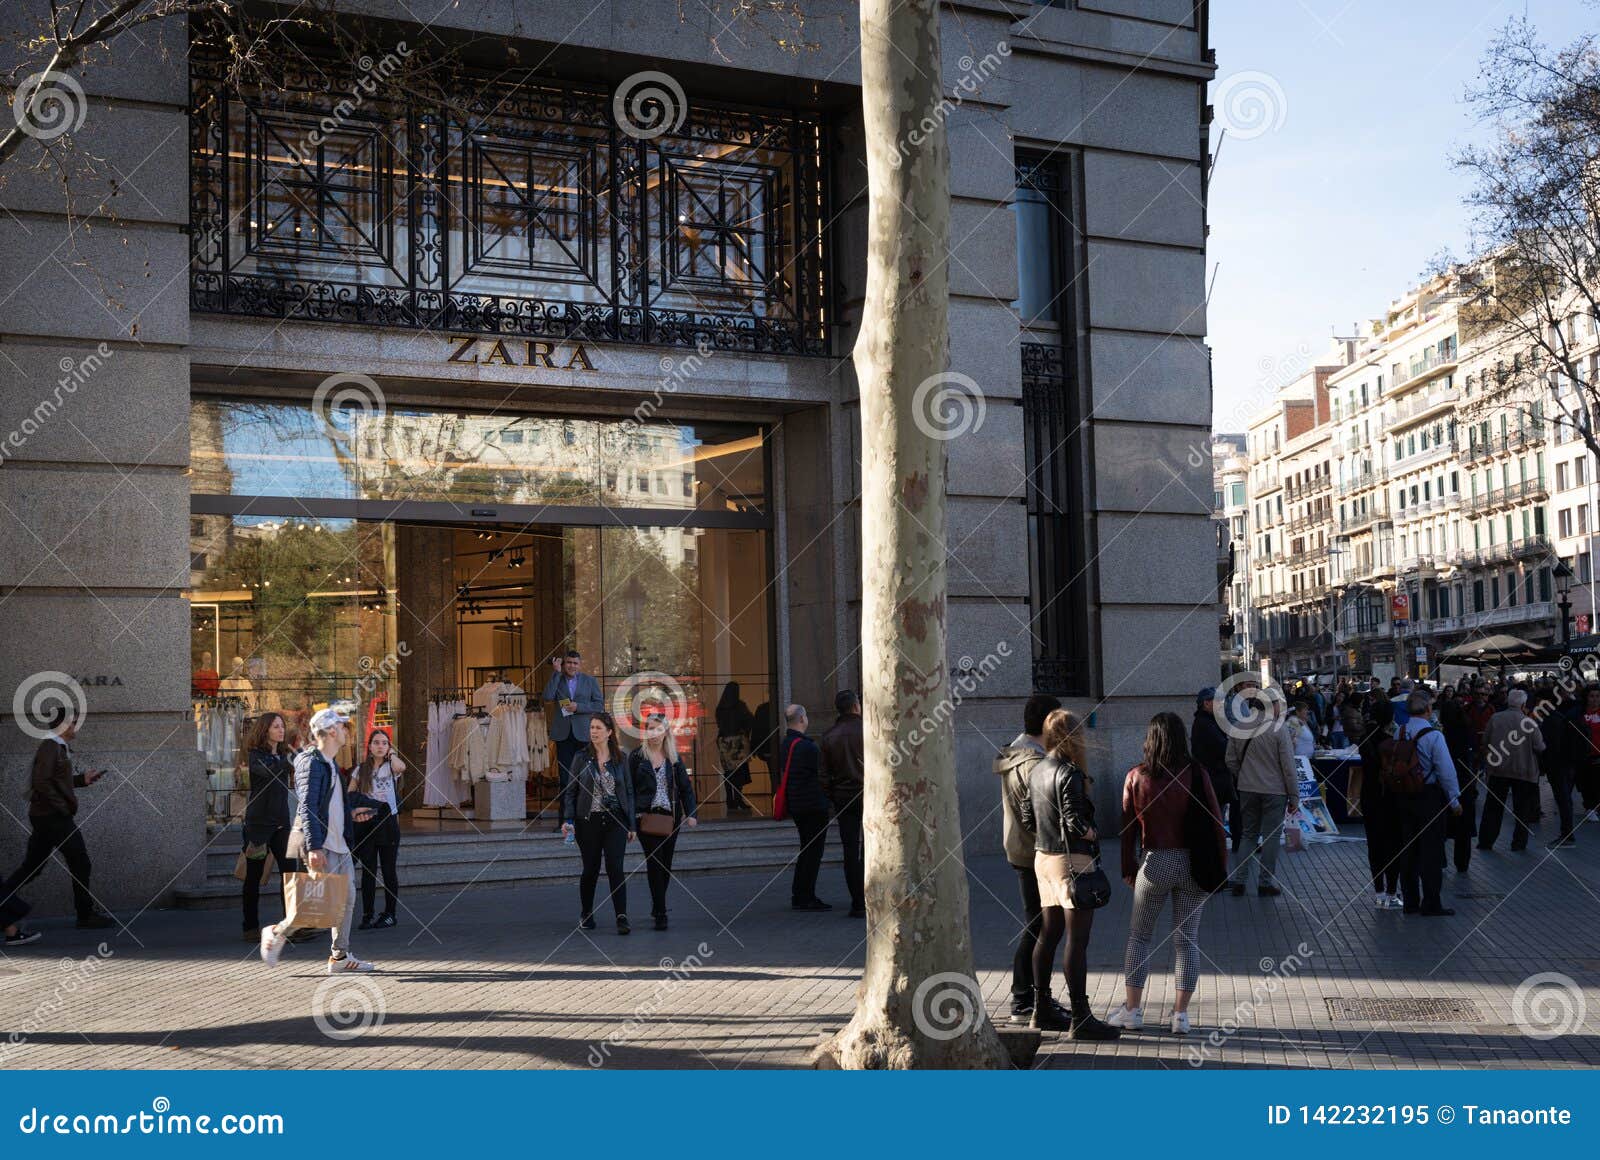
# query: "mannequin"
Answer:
x=203 y=682
x=236 y=681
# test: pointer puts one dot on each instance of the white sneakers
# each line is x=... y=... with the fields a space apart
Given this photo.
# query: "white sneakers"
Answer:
x=1128 y=1020
x=271 y=945
x=1132 y=1019
x=350 y=964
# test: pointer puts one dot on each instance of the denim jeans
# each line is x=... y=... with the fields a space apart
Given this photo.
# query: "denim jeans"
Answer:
x=1261 y=820
x=338 y=864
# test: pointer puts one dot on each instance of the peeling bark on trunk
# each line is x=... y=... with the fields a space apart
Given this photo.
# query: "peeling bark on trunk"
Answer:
x=918 y=1004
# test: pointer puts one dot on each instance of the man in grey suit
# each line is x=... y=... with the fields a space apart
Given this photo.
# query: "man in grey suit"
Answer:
x=576 y=696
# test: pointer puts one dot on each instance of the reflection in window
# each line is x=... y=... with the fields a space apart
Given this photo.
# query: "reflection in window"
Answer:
x=1036 y=256
x=283 y=449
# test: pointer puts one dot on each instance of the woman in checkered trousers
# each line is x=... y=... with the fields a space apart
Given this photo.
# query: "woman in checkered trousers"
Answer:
x=1155 y=862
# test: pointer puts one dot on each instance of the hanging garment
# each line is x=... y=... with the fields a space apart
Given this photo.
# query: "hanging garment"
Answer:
x=469 y=748
x=538 y=733
x=509 y=748
x=436 y=787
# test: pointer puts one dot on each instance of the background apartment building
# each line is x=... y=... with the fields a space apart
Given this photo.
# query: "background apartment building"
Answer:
x=1455 y=508
x=1230 y=470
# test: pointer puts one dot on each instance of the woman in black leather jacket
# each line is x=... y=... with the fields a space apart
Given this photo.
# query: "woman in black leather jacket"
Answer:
x=598 y=807
x=661 y=788
x=266 y=815
x=1060 y=814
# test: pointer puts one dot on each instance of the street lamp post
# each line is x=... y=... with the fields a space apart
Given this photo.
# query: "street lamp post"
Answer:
x=1563 y=575
x=1335 y=593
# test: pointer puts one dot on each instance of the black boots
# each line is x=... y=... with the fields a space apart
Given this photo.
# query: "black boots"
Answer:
x=1085 y=1026
x=1047 y=1016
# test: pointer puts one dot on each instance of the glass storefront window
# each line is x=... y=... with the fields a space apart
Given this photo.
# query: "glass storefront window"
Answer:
x=246 y=448
x=293 y=612
x=287 y=616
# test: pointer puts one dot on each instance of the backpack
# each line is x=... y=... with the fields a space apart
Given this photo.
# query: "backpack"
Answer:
x=1400 y=764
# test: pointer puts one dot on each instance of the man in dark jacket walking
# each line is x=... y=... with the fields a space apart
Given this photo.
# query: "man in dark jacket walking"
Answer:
x=800 y=768
x=52 y=814
x=843 y=775
x=1209 y=746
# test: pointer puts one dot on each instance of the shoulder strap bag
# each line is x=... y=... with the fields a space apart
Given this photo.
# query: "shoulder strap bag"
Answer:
x=780 y=799
x=658 y=825
x=1208 y=864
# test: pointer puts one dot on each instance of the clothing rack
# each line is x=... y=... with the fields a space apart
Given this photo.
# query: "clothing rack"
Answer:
x=516 y=674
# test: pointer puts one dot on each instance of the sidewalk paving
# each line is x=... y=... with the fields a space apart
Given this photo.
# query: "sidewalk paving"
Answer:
x=502 y=978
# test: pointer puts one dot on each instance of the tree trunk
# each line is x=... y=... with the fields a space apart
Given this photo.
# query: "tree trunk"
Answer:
x=918 y=1004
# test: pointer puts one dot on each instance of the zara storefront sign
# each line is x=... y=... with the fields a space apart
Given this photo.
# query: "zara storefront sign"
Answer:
x=518 y=352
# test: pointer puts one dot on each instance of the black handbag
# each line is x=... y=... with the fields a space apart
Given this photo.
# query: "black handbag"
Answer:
x=1091 y=889
x=1207 y=863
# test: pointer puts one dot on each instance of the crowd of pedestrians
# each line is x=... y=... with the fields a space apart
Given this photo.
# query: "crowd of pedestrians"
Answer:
x=1435 y=768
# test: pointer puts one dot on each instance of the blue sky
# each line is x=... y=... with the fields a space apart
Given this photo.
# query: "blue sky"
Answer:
x=1335 y=186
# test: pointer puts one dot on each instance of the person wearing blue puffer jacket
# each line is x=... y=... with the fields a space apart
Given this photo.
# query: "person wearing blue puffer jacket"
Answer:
x=324 y=834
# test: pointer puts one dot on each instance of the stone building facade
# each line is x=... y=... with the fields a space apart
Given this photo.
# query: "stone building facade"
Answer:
x=474 y=386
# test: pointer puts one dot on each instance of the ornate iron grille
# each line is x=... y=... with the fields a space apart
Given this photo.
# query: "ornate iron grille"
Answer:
x=1053 y=438
x=517 y=207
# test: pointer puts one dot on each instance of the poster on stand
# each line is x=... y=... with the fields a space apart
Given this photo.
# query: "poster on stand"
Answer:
x=1315 y=820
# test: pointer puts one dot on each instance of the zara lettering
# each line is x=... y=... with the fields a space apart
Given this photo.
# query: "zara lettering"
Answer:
x=531 y=352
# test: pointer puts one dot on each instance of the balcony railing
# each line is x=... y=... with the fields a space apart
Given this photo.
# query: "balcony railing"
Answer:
x=1410 y=408
x=1518 y=614
x=1292 y=492
x=1430 y=361
x=1483 y=449
x=1363 y=521
x=1505 y=552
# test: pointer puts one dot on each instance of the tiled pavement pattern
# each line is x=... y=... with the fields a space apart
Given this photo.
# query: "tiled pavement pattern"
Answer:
x=500 y=978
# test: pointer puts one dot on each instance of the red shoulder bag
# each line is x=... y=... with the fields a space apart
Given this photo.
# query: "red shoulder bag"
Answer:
x=780 y=799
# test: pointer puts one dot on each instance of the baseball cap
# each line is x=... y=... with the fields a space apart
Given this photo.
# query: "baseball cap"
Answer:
x=1204 y=695
x=326 y=719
